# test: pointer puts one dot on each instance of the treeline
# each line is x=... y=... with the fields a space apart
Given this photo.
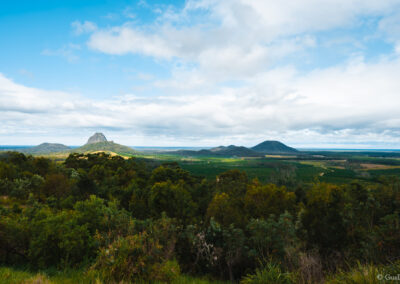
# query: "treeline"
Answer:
x=129 y=221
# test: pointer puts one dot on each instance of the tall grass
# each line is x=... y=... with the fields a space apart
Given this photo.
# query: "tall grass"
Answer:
x=367 y=274
x=20 y=276
x=271 y=274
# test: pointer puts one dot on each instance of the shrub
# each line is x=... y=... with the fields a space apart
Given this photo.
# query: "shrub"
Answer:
x=57 y=239
x=367 y=274
x=135 y=258
x=310 y=268
x=361 y=274
x=166 y=271
x=263 y=200
x=272 y=274
x=272 y=239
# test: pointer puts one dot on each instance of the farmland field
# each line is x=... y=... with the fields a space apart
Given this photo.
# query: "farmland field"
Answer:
x=331 y=167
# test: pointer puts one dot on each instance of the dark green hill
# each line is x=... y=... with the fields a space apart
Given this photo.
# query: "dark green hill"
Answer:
x=232 y=150
x=222 y=151
x=47 y=148
x=105 y=146
x=274 y=147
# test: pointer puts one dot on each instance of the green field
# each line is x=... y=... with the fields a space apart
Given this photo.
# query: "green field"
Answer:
x=337 y=167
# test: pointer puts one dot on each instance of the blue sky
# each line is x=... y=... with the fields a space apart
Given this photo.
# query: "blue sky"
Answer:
x=42 y=40
x=201 y=72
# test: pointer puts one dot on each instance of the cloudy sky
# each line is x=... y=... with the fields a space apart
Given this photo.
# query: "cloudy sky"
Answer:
x=311 y=73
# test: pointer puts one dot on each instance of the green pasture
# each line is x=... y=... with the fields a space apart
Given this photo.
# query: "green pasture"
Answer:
x=338 y=168
x=270 y=169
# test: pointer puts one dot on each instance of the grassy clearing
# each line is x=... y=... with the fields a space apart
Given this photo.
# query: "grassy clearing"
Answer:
x=11 y=276
x=358 y=274
x=378 y=167
x=321 y=164
x=20 y=276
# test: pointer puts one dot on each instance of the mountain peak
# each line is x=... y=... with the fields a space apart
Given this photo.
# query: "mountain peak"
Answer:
x=96 y=138
x=273 y=147
x=230 y=151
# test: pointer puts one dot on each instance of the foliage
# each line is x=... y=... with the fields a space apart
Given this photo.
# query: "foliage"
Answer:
x=272 y=239
x=117 y=219
x=262 y=201
x=143 y=256
x=173 y=199
x=321 y=219
x=58 y=239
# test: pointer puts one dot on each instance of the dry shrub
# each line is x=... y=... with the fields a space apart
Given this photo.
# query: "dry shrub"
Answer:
x=38 y=279
x=310 y=268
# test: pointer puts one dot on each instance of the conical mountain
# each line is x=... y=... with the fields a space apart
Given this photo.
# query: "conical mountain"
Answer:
x=98 y=142
x=274 y=147
x=96 y=138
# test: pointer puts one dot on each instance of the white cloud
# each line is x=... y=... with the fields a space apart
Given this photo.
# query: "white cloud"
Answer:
x=236 y=39
x=238 y=22
x=397 y=48
x=352 y=103
x=292 y=17
x=121 y=40
x=225 y=86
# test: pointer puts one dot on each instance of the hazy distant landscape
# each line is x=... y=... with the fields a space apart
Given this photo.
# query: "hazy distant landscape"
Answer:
x=265 y=161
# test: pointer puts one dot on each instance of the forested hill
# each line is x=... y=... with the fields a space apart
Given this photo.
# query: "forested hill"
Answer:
x=222 y=151
x=108 y=146
x=274 y=147
x=266 y=147
x=97 y=142
x=46 y=148
x=233 y=150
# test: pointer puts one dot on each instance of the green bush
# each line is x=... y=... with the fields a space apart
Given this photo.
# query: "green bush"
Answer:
x=135 y=258
x=58 y=240
x=272 y=239
x=166 y=271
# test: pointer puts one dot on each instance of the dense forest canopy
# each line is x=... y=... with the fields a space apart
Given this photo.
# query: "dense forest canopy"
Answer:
x=136 y=219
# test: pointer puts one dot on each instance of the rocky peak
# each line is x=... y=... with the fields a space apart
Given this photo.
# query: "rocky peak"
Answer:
x=96 y=138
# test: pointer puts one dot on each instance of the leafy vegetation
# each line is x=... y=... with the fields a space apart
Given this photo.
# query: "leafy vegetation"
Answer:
x=110 y=219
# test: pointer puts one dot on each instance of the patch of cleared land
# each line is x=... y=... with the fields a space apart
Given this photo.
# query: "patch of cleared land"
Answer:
x=378 y=167
x=280 y=156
